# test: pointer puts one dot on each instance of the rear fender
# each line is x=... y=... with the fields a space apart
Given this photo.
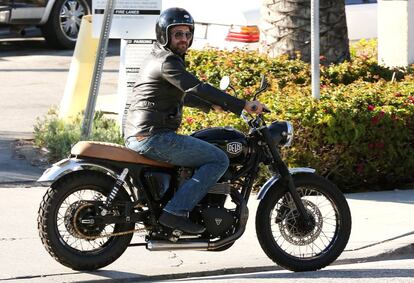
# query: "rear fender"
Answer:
x=68 y=165
x=275 y=178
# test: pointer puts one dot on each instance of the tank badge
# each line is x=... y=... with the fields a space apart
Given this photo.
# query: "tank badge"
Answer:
x=234 y=147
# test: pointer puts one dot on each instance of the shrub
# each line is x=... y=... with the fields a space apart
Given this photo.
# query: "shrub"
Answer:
x=58 y=136
x=358 y=134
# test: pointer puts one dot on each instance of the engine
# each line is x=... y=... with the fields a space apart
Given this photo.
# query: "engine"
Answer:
x=219 y=222
x=211 y=212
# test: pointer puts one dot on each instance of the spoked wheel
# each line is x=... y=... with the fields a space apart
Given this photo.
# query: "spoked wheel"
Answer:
x=67 y=227
x=298 y=245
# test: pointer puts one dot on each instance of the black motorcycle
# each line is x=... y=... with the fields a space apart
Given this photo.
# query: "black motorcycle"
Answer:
x=104 y=193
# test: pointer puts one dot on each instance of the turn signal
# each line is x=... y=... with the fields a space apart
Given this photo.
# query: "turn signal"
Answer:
x=243 y=34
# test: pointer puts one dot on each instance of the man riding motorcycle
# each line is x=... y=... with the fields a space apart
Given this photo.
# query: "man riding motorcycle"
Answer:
x=155 y=113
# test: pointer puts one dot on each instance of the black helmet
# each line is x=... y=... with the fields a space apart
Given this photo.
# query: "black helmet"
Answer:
x=172 y=17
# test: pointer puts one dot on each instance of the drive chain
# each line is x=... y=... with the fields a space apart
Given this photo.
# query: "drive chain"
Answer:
x=105 y=235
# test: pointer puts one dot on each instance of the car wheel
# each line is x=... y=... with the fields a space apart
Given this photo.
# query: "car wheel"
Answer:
x=62 y=28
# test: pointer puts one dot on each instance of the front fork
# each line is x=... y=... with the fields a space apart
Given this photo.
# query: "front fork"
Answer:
x=281 y=167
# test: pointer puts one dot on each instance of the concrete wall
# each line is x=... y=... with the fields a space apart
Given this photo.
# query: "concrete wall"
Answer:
x=396 y=32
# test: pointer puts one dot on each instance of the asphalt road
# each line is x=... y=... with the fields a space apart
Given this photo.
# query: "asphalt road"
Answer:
x=33 y=78
x=396 y=270
x=377 y=218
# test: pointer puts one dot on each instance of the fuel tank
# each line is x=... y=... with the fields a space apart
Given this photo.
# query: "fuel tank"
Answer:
x=231 y=141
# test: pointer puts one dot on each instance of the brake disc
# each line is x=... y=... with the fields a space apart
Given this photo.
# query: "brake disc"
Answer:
x=296 y=232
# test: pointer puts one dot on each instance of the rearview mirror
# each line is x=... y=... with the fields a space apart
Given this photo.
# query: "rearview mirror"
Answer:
x=224 y=82
x=263 y=83
x=262 y=88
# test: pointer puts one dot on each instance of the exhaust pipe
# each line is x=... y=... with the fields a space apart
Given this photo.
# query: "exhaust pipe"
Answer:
x=169 y=246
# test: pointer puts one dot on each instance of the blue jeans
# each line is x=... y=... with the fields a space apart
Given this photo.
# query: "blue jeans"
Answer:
x=209 y=161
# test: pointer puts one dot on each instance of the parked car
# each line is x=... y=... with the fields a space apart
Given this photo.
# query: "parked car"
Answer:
x=219 y=23
x=235 y=23
x=59 y=20
x=223 y=23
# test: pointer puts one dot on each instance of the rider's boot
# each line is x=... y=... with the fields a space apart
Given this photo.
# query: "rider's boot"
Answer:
x=180 y=223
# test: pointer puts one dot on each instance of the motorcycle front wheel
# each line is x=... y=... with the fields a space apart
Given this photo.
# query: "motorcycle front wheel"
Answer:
x=63 y=222
x=300 y=246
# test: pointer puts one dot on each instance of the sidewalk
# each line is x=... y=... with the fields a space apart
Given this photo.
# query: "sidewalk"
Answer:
x=15 y=169
x=382 y=229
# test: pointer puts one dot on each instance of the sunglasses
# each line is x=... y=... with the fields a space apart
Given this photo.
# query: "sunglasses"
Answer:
x=180 y=34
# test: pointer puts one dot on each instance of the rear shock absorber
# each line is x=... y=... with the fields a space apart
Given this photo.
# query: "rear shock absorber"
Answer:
x=112 y=195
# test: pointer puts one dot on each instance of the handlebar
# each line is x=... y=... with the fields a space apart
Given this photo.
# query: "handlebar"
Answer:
x=254 y=122
x=265 y=110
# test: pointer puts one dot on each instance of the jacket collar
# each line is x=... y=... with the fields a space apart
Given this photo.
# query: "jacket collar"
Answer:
x=159 y=48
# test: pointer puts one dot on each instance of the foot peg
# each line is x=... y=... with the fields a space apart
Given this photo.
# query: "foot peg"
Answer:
x=175 y=235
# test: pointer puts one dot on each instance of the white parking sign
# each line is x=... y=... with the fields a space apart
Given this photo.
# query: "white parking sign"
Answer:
x=132 y=19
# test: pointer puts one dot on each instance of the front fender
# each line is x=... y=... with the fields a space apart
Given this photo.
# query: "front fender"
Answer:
x=68 y=165
x=273 y=180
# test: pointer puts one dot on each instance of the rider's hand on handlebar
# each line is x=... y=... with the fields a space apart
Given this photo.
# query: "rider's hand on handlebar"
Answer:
x=255 y=107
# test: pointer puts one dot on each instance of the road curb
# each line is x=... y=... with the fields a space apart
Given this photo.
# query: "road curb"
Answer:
x=407 y=250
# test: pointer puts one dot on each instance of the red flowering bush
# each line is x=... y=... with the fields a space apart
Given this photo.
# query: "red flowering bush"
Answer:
x=360 y=134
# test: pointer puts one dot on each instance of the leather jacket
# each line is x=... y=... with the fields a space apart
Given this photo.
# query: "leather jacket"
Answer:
x=163 y=88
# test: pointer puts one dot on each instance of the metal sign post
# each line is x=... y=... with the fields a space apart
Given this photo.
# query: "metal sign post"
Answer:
x=98 y=68
x=315 y=49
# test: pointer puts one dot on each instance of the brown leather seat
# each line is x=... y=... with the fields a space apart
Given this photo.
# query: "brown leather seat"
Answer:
x=112 y=151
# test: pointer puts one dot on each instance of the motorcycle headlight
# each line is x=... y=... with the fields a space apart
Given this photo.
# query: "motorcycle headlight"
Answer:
x=282 y=133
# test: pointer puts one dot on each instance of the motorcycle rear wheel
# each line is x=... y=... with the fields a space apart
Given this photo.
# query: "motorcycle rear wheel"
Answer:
x=294 y=245
x=58 y=233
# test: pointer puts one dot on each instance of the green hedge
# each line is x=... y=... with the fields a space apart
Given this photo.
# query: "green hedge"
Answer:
x=360 y=134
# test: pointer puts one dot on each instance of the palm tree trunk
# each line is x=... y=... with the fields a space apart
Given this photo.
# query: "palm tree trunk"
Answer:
x=285 y=27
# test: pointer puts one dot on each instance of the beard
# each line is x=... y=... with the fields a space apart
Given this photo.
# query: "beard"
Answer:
x=180 y=48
